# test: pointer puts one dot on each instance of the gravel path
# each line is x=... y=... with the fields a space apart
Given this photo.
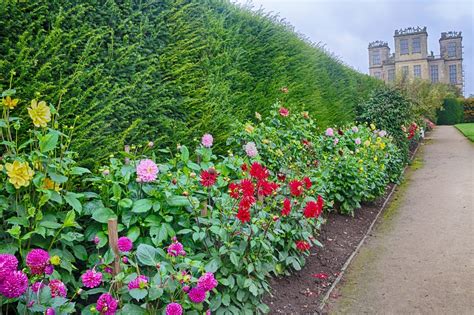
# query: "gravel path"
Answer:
x=420 y=258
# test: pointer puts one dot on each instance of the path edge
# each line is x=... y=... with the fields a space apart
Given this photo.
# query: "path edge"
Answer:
x=323 y=302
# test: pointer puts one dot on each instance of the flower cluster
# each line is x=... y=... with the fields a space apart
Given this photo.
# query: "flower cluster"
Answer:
x=251 y=188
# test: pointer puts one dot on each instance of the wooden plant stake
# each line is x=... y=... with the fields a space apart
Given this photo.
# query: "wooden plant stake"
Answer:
x=113 y=244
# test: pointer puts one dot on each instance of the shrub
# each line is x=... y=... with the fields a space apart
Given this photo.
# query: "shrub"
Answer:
x=389 y=110
x=451 y=113
x=159 y=69
x=468 y=104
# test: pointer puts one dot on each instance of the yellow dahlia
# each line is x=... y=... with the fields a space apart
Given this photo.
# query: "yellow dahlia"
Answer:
x=49 y=184
x=9 y=102
x=39 y=113
x=19 y=173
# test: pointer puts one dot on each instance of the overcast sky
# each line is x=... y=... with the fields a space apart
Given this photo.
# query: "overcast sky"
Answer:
x=347 y=26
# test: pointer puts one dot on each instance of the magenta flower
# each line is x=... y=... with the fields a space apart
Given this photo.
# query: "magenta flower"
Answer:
x=147 y=171
x=355 y=129
x=91 y=279
x=197 y=295
x=125 y=259
x=35 y=287
x=37 y=260
x=176 y=249
x=96 y=240
x=14 y=285
x=8 y=264
x=174 y=309
x=106 y=304
x=357 y=141
x=50 y=311
x=207 y=140
x=329 y=132
x=57 y=288
x=108 y=270
x=49 y=269
x=125 y=244
x=251 y=149
x=139 y=282
x=207 y=282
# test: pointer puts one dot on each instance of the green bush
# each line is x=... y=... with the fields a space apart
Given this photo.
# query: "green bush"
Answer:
x=166 y=71
x=468 y=105
x=389 y=110
x=451 y=113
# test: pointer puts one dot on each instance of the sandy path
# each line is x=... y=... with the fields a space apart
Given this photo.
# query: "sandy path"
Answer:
x=420 y=258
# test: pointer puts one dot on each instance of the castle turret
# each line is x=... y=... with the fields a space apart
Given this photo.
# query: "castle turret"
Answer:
x=379 y=52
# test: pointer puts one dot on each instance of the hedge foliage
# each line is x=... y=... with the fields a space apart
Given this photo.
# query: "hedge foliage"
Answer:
x=452 y=112
x=166 y=70
x=468 y=105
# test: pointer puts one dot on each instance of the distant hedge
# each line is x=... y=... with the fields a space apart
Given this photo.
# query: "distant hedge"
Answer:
x=468 y=105
x=166 y=70
x=452 y=112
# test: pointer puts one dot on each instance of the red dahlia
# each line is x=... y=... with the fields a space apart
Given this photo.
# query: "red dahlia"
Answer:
x=265 y=188
x=247 y=187
x=234 y=190
x=313 y=209
x=307 y=182
x=258 y=171
x=286 y=207
x=296 y=187
x=243 y=215
x=209 y=177
x=302 y=245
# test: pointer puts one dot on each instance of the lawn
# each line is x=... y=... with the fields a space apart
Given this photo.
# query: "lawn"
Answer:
x=467 y=130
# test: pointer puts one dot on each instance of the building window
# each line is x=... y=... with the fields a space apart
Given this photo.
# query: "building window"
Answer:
x=391 y=75
x=376 y=58
x=403 y=46
x=453 y=74
x=405 y=71
x=451 y=49
x=434 y=73
x=416 y=45
x=417 y=71
x=378 y=75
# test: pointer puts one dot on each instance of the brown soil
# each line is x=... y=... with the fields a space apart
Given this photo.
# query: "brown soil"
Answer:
x=301 y=292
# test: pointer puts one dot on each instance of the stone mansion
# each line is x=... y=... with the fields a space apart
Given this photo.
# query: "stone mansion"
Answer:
x=411 y=58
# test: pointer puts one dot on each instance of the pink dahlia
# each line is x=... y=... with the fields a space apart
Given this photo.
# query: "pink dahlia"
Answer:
x=207 y=140
x=139 y=282
x=37 y=260
x=124 y=244
x=35 y=287
x=357 y=141
x=251 y=149
x=106 y=304
x=91 y=279
x=174 y=309
x=147 y=171
x=176 y=249
x=197 y=295
x=329 y=132
x=14 y=285
x=8 y=263
x=57 y=288
x=355 y=129
x=284 y=112
x=336 y=141
x=50 y=311
x=207 y=282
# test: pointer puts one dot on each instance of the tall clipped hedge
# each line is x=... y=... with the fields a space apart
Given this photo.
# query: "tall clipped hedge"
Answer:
x=166 y=70
x=452 y=112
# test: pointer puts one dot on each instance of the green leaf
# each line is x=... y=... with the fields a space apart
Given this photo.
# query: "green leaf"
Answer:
x=146 y=254
x=142 y=205
x=132 y=309
x=72 y=200
x=133 y=233
x=58 y=178
x=48 y=142
x=125 y=203
x=102 y=215
x=234 y=259
x=80 y=252
x=70 y=219
x=79 y=170
x=155 y=293
x=138 y=294
x=178 y=201
x=184 y=154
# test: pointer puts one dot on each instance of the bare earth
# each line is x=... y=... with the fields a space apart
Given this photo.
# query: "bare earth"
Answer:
x=420 y=258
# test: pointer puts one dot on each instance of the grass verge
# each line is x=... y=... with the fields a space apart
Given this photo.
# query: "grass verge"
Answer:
x=467 y=130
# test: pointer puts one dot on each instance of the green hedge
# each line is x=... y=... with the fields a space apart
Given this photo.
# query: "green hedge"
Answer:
x=166 y=70
x=451 y=113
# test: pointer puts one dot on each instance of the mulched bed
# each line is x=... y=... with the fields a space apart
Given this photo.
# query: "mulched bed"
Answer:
x=301 y=292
